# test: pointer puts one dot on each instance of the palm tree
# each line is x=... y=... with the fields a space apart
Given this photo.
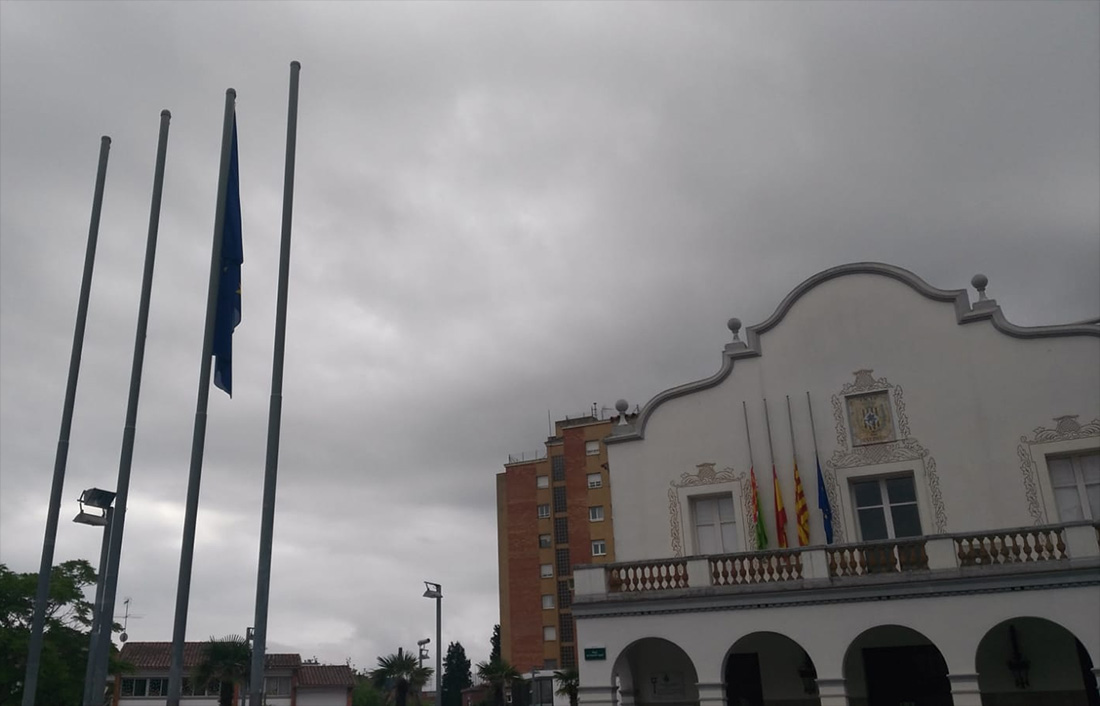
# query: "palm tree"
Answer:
x=398 y=674
x=497 y=673
x=225 y=660
x=569 y=682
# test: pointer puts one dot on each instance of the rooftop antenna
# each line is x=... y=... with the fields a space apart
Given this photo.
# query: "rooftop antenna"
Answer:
x=126 y=620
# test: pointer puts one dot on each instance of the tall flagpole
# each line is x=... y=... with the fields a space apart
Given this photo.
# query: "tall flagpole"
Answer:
x=822 y=495
x=198 y=437
x=129 y=432
x=38 y=622
x=748 y=436
x=271 y=467
x=780 y=511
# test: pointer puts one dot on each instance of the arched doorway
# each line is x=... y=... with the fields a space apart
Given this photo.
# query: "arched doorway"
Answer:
x=1033 y=660
x=655 y=672
x=765 y=668
x=890 y=664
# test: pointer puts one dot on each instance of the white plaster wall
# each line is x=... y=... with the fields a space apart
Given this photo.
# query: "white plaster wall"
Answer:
x=970 y=393
x=954 y=624
x=322 y=697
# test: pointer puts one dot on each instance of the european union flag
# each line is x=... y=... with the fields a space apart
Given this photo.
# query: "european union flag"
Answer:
x=229 y=288
x=823 y=503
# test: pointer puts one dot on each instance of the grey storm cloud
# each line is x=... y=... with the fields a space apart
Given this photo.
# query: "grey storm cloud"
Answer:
x=501 y=210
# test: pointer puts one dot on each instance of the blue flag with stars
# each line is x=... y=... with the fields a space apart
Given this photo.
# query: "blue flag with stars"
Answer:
x=229 y=287
x=823 y=503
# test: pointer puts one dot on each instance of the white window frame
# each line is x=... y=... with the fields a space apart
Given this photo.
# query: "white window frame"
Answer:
x=595 y=513
x=549 y=541
x=887 y=506
x=686 y=495
x=599 y=547
x=846 y=506
x=595 y=480
x=1039 y=452
x=543 y=511
x=546 y=571
x=592 y=448
x=695 y=527
x=549 y=633
x=1079 y=481
x=549 y=596
x=542 y=481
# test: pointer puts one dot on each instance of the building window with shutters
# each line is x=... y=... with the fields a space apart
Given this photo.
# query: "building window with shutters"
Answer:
x=543 y=511
x=714 y=519
x=1076 y=484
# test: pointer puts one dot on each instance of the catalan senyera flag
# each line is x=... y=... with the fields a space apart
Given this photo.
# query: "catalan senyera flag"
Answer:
x=757 y=516
x=801 y=511
x=780 y=513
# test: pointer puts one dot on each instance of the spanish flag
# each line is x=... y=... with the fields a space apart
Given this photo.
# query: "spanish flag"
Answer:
x=780 y=513
x=801 y=511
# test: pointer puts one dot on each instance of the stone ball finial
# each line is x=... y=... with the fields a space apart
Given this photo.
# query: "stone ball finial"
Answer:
x=734 y=325
x=621 y=406
x=979 y=282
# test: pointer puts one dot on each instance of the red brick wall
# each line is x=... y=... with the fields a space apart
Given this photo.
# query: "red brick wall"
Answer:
x=525 y=606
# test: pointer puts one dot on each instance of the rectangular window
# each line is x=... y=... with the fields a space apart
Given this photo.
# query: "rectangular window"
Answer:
x=549 y=633
x=559 y=499
x=714 y=525
x=568 y=657
x=595 y=480
x=185 y=687
x=542 y=481
x=595 y=513
x=546 y=571
x=565 y=623
x=157 y=687
x=592 y=448
x=557 y=467
x=127 y=687
x=547 y=601
x=564 y=566
x=141 y=687
x=565 y=595
x=887 y=508
x=599 y=547
x=1076 y=484
x=277 y=686
x=544 y=511
x=561 y=530
x=544 y=541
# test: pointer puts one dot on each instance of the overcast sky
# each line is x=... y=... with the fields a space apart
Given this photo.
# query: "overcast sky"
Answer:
x=501 y=210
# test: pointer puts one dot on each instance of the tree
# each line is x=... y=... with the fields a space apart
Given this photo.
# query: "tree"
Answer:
x=497 y=674
x=494 y=642
x=456 y=675
x=398 y=674
x=64 y=640
x=227 y=660
x=569 y=682
x=367 y=694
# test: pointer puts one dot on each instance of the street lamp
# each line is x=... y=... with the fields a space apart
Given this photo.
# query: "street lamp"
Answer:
x=423 y=650
x=100 y=500
x=435 y=591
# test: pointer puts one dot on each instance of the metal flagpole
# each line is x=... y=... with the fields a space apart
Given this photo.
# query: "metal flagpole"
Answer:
x=129 y=432
x=768 y=426
x=271 y=470
x=780 y=516
x=198 y=437
x=790 y=422
x=748 y=437
x=38 y=622
x=813 y=429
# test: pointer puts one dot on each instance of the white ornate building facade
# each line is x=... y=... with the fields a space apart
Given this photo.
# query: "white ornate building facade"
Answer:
x=960 y=458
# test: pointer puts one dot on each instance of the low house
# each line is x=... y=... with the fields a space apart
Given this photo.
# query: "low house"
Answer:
x=287 y=681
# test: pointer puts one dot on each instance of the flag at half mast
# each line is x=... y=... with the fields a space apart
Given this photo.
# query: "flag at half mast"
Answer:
x=780 y=513
x=801 y=511
x=757 y=516
x=823 y=503
x=229 y=286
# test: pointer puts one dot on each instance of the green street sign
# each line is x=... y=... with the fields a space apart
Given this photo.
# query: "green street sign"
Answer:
x=594 y=654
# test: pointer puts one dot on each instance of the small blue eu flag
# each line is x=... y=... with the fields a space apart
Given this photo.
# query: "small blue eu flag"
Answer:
x=229 y=288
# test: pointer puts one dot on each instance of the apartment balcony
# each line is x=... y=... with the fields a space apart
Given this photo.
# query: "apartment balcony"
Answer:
x=912 y=565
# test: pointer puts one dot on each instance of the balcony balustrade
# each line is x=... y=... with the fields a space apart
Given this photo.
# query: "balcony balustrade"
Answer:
x=1048 y=547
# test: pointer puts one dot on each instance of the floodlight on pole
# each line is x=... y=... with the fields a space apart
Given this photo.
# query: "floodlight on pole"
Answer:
x=435 y=592
x=100 y=500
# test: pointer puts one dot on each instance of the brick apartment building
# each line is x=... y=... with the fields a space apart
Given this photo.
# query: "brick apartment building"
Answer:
x=553 y=512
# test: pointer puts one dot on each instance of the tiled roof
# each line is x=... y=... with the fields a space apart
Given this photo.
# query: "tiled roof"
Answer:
x=158 y=655
x=325 y=675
